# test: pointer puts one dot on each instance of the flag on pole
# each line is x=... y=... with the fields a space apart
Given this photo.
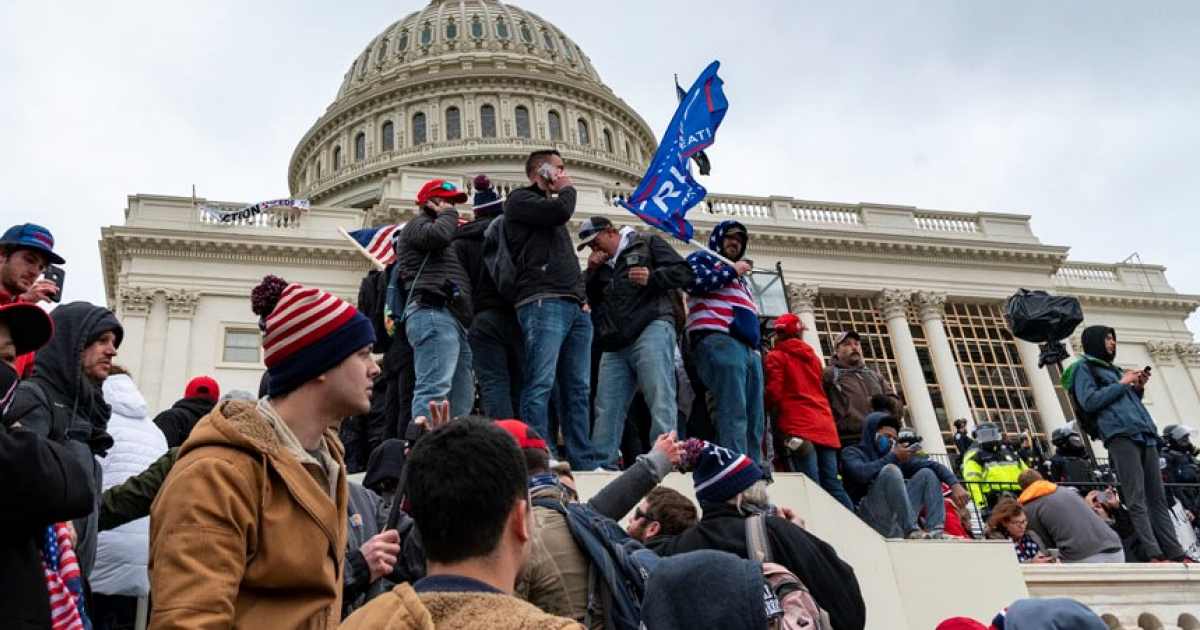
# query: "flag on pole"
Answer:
x=376 y=242
x=699 y=157
x=667 y=190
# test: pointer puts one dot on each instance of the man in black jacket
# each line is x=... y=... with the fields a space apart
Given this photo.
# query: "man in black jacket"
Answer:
x=551 y=305
x=199 y=398
x=497 y=347
x=630 y=278
x=437 y=309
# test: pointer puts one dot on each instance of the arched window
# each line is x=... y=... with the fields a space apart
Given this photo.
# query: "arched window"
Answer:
x=402 y=45
x=337 y=158
x=318 y=168
x=451 y=30
x=362 y=65
x=418 y=130
x=360 y=147
x=555 y=124
x=567 y=51
x=501 y=29
x=427 y=35
x=382 y=52
x=526 y=33
x=584 y=138
x=388 y=139
x=608 y=141
x=522 y=119
x=453 y=124
x=487 y=121
x=549 y=39
x=627 y=153
x=476 y=28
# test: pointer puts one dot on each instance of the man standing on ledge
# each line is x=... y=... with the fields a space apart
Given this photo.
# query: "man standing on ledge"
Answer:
x=249 y=530
x=551 y=304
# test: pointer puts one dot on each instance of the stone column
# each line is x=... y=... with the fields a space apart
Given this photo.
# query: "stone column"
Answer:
x=181 y=307
x=154 y=347
x=1189 y=358
x=802 y=298
x=1044 y=394
x=894 y=303
x=1168 y=372
x=133 y=310
x=931 y=307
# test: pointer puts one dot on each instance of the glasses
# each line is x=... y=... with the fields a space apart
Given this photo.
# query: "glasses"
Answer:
x=1019 y=522
x=645 y=516
x=448 y=186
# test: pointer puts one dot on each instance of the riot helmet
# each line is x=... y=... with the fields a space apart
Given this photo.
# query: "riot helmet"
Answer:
x=1068 y=440
x=1178 y=438
x=988 y=435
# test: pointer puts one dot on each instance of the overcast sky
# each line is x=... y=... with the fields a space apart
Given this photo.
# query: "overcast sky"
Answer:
x=1081 y=114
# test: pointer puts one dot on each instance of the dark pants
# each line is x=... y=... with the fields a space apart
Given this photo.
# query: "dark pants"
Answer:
x=1141 y=484
x=498 y=349
x=113 y=612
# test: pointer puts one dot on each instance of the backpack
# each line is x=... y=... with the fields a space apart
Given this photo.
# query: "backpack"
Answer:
x=789 y=604
x=1089 y=423
x=499 y=259
x=620 y=565
x=372 y=302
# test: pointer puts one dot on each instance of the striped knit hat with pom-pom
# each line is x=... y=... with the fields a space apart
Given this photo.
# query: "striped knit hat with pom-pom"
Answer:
x=718 y=473
x=306 y=332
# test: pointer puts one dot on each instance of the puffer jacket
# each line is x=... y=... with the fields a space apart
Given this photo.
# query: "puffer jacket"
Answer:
x=535 y=227
x=249 y=531
x=121 y=555
x=624 y=308
x=849 y=391
x=793 y=390
x=426 y=258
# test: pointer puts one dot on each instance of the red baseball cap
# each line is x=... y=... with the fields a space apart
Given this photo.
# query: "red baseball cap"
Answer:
x=440 y=188
x=525 y=435
x=788 y=324
x=203 y=387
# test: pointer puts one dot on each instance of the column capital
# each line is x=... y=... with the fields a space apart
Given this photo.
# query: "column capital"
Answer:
x=136 y=301
x=803 y=297
x=182 y=303
x=1189 y=353
x=1162 y=352
x=893 y=302
x=930 y=305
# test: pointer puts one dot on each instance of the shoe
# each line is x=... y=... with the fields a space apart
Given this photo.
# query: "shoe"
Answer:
x=939 y=534
x=917 y=534
x=1159 y=560
x=1181 y=559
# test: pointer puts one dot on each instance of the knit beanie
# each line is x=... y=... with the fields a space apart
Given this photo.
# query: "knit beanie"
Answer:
x=485 y=195
x=306 y=332
x=718 y=473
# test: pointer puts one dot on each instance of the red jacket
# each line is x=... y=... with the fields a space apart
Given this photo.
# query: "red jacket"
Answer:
x=794 y=391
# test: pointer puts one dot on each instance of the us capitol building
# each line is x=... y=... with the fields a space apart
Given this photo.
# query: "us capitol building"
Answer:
x=463 y=87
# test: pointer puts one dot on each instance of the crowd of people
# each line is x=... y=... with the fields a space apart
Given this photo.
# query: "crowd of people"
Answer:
x=235 y=508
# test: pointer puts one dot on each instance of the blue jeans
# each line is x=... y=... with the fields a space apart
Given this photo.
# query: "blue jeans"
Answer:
x=558 y=346
x=821 y=465
x=648 y=363
x=442 y=359
x=499 y=354
x=733 y=372
x=892 y=504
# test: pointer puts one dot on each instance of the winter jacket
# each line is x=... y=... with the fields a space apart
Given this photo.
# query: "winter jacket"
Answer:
x=60 y=404
x=177 y=422
x=718 y=299
x=41 y=486
x=794 y=393
x=405 y=609
x=991 y=474
x=849 y=391
x=429 y=265
x=366 y=519
x=679 y=593
x=535 y=229
x=862 y=462
x=137 y=443
x=1183 y=468
x=468 y=246
x=1065 y=521
x=249 y=531
x=814 y=561
x=1096 y=384
x=132 y=499
x=623 y=308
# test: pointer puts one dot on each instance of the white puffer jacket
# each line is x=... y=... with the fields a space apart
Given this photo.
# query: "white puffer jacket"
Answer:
x=122 y=552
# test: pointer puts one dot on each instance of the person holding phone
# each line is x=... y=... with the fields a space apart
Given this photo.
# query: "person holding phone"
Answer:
x=1009 y=522
x=26 y=252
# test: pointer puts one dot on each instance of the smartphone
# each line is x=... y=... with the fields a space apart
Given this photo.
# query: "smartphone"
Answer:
x=546 y=170
x=56 y=274
x=413 y=433
x=1053 y=553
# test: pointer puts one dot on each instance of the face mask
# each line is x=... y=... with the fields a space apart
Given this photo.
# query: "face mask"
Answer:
x=8 y=384
x=883 y=444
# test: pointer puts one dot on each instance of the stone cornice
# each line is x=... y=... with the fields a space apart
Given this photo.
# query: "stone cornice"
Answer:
x=1177 y=304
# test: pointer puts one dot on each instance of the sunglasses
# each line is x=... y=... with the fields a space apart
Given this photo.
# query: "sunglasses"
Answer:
x=645 y=516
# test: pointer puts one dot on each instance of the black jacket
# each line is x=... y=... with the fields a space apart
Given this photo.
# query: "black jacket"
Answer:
x=428 y=264
x=468 y=246
x=623 y=308
x=831 y=580
x=177 y=422
x=41 y=486
x=536 y=230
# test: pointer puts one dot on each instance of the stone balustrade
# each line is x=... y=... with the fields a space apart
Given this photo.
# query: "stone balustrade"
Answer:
x=1126 y=596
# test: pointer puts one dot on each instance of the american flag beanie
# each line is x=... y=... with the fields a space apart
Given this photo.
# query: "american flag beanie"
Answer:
x=718 y=474
x=306 y=332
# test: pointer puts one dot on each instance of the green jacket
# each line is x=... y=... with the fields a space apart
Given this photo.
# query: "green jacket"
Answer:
x=131 y=500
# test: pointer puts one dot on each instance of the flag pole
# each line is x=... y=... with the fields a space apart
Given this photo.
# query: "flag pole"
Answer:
x=362 y=250
x=708 y=251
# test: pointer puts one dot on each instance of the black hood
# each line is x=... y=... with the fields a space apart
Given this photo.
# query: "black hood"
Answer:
x=198 y=405
x=57 y=365
x=1092 y=340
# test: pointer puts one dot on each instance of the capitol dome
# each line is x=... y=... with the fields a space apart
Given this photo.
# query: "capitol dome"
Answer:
x=467 y=86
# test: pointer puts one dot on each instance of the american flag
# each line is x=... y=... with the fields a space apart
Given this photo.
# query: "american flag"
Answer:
x=377 y=241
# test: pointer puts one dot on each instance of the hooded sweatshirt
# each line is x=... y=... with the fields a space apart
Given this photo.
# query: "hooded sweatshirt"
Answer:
x=177 y=422
x=679 y=593
x=1095 y=382
x=468 y=246
x=862 y=462
x=137 y=443
x=718 y=299
x=1064 y=520
x=60 y=404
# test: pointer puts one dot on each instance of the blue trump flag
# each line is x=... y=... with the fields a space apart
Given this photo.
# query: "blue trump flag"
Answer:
x=667 y=190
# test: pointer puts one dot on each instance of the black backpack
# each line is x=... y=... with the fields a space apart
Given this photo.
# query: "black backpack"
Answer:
x=1089 y=423
x=499 y=259
x=372 y=300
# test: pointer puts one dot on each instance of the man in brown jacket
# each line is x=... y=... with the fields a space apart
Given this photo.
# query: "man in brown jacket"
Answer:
x=849 y=385
x=249 y=529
